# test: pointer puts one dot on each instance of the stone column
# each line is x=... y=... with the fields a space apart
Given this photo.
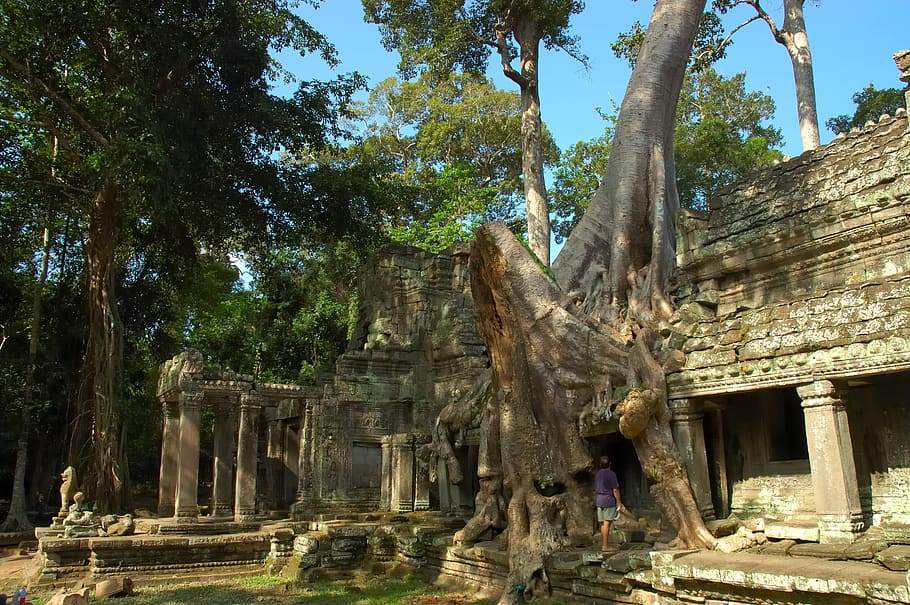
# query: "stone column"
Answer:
x=401 y=496
x=247 y=453
x=304 y=464
x=170 y=458
x=831 y=460
x=689 y=435
x=385 y=485
x=223 y=453
x=187 y=507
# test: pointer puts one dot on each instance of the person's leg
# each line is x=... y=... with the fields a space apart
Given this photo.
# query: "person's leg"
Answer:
x=605 y=535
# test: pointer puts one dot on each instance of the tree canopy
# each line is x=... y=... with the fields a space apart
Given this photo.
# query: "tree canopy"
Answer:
x=440 y=37
x=165 y=132
x=871 y=103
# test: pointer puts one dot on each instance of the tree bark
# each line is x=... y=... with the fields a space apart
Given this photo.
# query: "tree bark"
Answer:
x=97 y=430
x=796 y=41
x=527 y=35
x=540 y=387
x=793 y=37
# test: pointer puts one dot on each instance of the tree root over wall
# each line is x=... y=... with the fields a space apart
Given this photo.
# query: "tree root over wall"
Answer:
x=550 y=362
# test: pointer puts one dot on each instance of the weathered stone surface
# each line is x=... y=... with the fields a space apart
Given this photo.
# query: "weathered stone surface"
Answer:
x=115 y=587
x=723 y=527
x=62 y=597
x=895 y=558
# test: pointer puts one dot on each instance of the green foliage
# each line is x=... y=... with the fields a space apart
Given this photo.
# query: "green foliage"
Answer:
x=387 y=588
x=871 y=103
x=450 y=209
x=441 y=36
x=708 y=47
x=721 y=135
x=171 y=104
x=445 y=152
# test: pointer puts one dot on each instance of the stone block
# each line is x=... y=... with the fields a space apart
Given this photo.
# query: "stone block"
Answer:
x=791 y=531
x=895 y=558
x=115 y=587
x=831 y=551
x=62 y=597
x=723 y=527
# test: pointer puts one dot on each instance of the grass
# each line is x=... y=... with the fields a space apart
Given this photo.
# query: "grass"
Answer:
x=361 y=590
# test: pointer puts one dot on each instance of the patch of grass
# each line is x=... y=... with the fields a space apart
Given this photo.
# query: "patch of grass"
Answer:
x=362 y=590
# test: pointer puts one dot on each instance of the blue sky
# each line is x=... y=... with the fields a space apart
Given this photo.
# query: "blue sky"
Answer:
x=852 y=43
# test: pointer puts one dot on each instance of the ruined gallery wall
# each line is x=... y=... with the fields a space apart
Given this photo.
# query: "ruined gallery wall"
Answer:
x=804 y=270
x=799 y=274
x=879 y=417
x=414 y=349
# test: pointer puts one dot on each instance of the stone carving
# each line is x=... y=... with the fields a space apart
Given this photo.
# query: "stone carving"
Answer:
x=113 y=525
x=67 y=489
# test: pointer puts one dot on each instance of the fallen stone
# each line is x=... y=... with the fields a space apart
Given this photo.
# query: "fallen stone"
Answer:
x=779 y=548
x=864 y=551
x=63 y=597
x=723 y=527
x=115 y=587
x=895 y=558
x=831 y=552
x=742 y=539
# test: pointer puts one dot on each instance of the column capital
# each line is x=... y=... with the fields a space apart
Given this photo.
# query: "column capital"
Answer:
x=250 y=401
x=685 y=409
x=169 y=408
x=191 y=399
x=821 y=393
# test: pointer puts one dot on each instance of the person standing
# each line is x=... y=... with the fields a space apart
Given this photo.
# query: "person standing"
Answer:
x=607 y=500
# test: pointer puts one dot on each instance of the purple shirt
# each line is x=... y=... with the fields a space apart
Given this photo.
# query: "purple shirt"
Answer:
x=605 y=482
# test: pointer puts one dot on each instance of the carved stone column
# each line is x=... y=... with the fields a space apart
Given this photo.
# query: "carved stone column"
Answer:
x=401 y=467
x=689 y=436
x=223 y=453
x=187 y=508
x=304 y=465
x=247 y=453
x=385 y=485
x=170 y=458
x=831 y=459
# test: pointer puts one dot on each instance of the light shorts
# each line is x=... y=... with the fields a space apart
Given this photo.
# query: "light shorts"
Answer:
x=609 y=513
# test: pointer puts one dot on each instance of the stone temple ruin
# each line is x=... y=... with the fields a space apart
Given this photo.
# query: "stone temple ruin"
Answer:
x=794 y=314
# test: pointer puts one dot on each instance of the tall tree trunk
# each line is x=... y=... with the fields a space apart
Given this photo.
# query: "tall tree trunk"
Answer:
x=559 y=351
x=792 y=36
x=528 y=37
x=532 y=447
x=16 y=518
x=101 y=470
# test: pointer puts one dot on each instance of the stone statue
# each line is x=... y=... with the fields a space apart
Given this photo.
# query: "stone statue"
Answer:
x=75 y=514
x=67 y=489
x=112 y=525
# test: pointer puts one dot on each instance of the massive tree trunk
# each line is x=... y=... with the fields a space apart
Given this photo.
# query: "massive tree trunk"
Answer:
x=560 y=349
x=549 y=361
x=792 y=36
x=94 y=443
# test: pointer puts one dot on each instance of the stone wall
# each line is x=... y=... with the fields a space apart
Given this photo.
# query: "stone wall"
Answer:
x=803 y=270
x=415 y=348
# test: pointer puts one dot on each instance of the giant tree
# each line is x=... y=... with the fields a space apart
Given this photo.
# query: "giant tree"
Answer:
x=586 y=343
x=440 y=36
x=169 y=127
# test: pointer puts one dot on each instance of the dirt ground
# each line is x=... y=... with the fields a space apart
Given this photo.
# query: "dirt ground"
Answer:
x=13 y=570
